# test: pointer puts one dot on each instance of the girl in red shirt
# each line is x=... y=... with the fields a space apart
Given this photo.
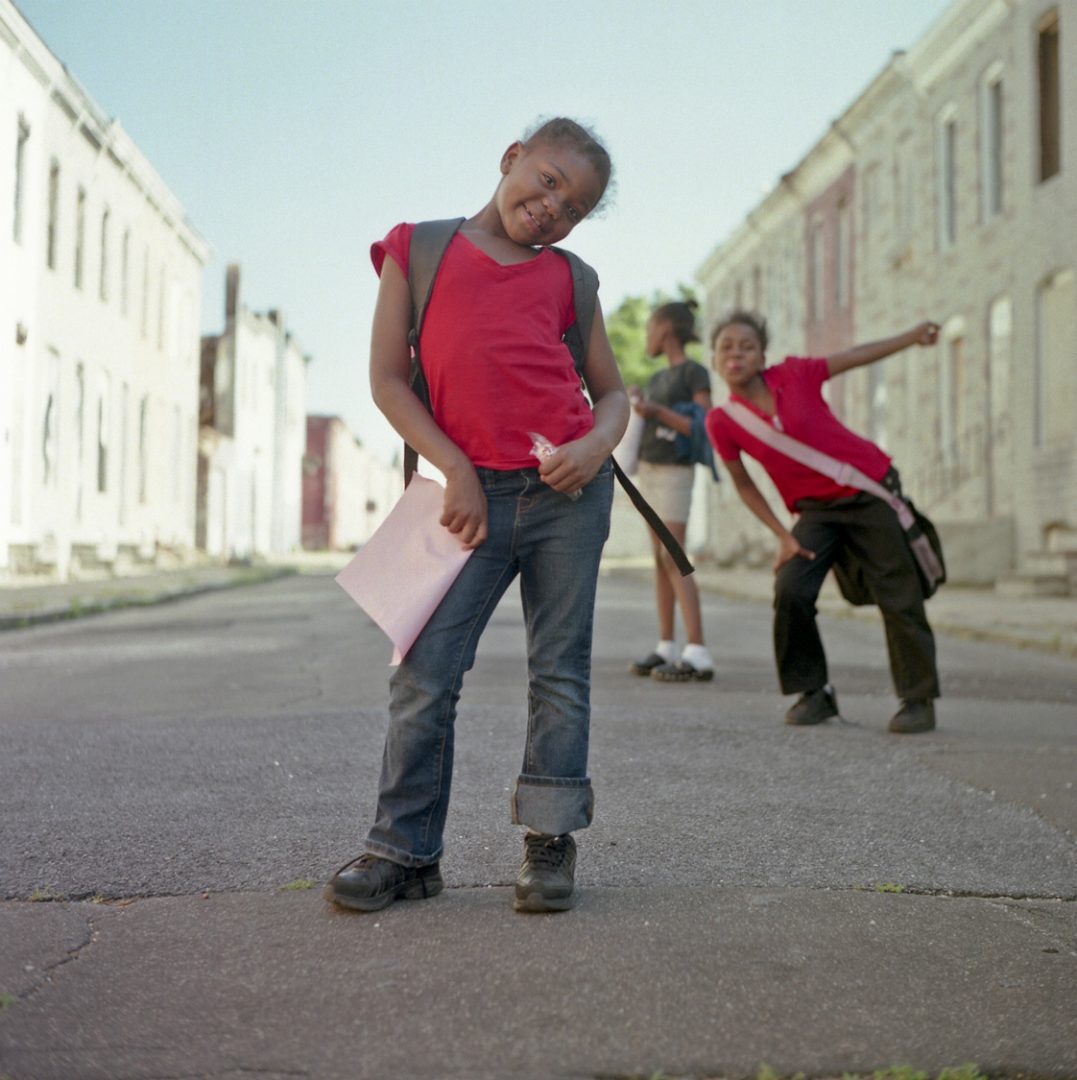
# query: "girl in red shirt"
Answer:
x=497 y=368
x=832 y=522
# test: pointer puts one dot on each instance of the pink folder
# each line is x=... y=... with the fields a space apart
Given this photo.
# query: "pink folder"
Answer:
x=404 y=570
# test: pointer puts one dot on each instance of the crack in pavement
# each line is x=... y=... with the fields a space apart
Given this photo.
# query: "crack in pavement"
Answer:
x=45 y=973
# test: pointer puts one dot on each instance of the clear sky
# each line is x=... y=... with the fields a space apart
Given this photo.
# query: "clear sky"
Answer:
x=295 y=132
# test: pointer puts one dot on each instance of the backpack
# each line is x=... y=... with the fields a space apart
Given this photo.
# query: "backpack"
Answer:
x=429 y=242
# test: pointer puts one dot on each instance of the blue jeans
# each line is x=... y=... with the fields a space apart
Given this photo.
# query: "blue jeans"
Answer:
x=554 y=543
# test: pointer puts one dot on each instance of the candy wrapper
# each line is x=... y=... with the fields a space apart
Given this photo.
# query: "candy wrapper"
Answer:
x=542 y=448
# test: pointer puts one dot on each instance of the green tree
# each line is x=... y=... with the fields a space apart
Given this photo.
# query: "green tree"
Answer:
x=627 y=330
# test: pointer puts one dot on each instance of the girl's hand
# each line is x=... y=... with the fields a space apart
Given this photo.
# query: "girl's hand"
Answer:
x=572 y=466
x=789 y=548
x=463 y=510
x=925 y=333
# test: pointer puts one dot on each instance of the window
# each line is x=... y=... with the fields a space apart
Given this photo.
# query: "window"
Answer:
x=80 y=235
x=145 y=293
x=953 y=391
x=877 y=403
x=844 y=253
x=946 y=163
x=80 y=434
x=102 y=433
x=103 y=283
x=22 y=137
x=125 y=270
x=815 y=270
x=991 y=140
x=125 y=416
x=50 y=421
x=177 y=451
x=1049 y=96
x=999 y=353
x=54 y=215
x=143 y=448
x=161 y=309
x=868 y=203
x=904 y=190
x=1056 y=346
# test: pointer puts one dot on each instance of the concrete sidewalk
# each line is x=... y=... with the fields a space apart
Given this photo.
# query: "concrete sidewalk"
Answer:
x=1044 y=623
x=29 y=604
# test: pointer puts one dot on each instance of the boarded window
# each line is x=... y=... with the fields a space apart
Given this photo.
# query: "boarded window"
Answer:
x=1056 y=369
x=947 y=174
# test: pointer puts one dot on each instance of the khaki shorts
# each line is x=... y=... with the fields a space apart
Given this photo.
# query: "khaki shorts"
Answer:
x=668 y=488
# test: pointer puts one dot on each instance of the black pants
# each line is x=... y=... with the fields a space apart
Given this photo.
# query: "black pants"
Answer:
x=868 y=529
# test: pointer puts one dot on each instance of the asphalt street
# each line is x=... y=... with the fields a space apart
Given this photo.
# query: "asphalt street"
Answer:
x=823 y=900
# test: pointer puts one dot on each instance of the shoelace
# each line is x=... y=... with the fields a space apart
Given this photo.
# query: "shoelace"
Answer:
x=548 y=852
x=359 y=863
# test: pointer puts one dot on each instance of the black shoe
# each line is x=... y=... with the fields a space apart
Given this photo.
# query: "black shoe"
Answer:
x=546 y=878
x=647 y=664
x=370 y=883
x=914 y=717
x=682 y=671
x=813 y=707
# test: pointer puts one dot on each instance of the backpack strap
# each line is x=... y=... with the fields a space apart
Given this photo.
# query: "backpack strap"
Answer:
x=429 y=242
x=650 y=515
x=584 y=299
x=577 y=338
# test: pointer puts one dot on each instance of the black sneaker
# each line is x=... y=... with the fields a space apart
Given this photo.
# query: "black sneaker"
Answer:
x=914 y=717
x=813 y=707
x=647 y=664
x=370 y=883
x=546 y=878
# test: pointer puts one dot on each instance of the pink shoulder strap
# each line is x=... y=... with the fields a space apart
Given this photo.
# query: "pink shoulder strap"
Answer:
x=839 y=471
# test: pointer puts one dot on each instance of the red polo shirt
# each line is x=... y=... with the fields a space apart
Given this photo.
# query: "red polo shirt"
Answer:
x=801 y=412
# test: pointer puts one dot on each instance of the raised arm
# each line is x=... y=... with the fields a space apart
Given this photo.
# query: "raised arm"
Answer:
x=464 y=508
x=788 y=545
x=925 y=333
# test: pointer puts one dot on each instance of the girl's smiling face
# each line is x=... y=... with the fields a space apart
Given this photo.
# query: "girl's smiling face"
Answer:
x=546 y=190
x=738 y=354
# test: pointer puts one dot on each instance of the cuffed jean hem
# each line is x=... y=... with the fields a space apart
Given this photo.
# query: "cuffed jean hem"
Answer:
x=553 y=805
x=402 y=858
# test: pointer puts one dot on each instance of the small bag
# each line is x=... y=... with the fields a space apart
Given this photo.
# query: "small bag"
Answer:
x=695 y=449
x=920 y=533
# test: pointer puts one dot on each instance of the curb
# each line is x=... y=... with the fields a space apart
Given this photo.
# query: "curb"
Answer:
x=97 y=605
x=1058 y=642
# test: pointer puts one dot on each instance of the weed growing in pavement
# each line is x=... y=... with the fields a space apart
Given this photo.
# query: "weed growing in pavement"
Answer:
x=298 y=885
x=39 y=896
x=6 y=1001
x=891 y=887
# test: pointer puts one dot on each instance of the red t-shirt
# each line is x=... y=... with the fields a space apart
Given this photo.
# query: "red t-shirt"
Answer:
x=803 y=414
x=492 y=351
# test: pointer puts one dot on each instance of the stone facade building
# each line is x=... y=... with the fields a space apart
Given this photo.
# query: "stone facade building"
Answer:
x=100 y=306
x=948 y=190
